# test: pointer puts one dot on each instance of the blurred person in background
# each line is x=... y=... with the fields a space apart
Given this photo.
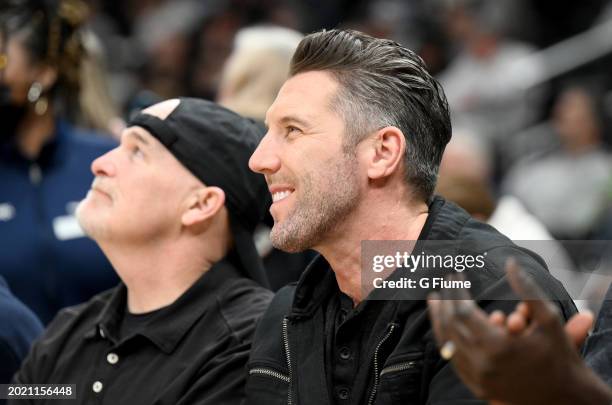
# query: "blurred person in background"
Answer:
x=19 y=329
x=256 y=69
x=49 y=82
x=480 y=82
x=466 y=178
x=250 y=81
x=212 y=47
x=567 y=187
x=162 y=31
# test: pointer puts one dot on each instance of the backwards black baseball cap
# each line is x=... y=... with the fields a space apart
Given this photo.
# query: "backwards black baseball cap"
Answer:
x=215 y=144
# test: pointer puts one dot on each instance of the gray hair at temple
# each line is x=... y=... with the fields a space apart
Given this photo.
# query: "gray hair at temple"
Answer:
x=257 y=68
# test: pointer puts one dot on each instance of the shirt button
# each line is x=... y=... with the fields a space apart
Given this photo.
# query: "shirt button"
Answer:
x=343 y=394
x=97 y=386
x=345 y=353
x=112 y=358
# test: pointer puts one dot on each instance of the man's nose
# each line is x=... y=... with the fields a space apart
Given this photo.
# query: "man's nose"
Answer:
x=104 y=165
x=266 y=158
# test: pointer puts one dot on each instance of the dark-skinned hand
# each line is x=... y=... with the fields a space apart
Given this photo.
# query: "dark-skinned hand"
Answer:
x=525 y=358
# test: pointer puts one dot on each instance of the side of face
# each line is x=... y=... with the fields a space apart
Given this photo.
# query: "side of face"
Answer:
x=575 y=117
x=21 y=71
x=313 y=182
x=17 y=75
x=139 y=194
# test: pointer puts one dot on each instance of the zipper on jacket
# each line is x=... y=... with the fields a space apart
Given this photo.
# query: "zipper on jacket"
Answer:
x=270 y=372
x=376 y=374
x=288 y=353
x=395 y=368
x=35 y=174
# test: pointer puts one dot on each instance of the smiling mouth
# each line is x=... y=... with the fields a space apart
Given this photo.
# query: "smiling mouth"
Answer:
x=281 y=195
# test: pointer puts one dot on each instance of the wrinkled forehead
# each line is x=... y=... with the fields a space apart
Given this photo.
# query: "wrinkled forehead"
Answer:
x=157 y=155
x=140 y=135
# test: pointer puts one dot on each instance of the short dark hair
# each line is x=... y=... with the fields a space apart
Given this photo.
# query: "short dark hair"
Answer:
x=383 y=84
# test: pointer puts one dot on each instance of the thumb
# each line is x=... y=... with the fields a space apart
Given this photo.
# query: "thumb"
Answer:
x=577 y=327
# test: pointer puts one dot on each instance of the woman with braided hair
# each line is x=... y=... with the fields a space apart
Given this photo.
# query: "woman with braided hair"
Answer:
x=49 y=83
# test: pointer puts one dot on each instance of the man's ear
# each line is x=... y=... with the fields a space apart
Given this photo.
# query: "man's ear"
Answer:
x=203 y=205
x=384 y=152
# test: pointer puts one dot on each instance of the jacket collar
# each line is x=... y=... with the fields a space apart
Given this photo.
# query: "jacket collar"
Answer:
x=445 y=221
x=318 y=282
x=168 y=325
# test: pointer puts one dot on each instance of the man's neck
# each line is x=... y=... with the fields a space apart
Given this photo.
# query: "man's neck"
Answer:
x=34 y=133
x=156 y=276
x=343 y=250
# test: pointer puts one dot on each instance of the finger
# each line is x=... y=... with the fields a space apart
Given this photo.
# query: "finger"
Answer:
x=498 y=318
x=457 y=293
x=459 y=305
x=463 y=322
x=446 y=314
x=578 y=326
x=534 y=298
x=458 y=330
x=469 y=323
x=521 y=283
x=445 y=329
x=516 y=323
x=434 y=305
x=523 y=309
x=450 y=312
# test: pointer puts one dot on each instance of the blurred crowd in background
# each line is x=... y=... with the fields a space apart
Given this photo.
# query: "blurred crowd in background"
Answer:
x=540 y=119
x=528 y=82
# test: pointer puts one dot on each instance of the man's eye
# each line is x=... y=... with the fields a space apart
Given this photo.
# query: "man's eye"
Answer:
x=292 y=129
x=136 y=152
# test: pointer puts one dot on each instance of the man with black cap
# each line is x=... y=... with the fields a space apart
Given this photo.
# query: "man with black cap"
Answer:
x=173 y=208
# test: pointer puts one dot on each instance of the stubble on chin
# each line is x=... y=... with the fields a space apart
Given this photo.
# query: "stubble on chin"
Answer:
x=84 y=218
x=319 y=211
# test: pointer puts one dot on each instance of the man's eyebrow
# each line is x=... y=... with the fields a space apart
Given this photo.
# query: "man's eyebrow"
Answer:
x=291 y=118
x=134 y=133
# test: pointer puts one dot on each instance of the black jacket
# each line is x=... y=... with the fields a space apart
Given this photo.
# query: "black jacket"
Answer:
x=598 y=347
x=398 y=360
x=192 y=351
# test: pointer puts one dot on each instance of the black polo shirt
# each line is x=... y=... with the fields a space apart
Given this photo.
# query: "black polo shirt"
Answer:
x=192 y=351
x=349 y=337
